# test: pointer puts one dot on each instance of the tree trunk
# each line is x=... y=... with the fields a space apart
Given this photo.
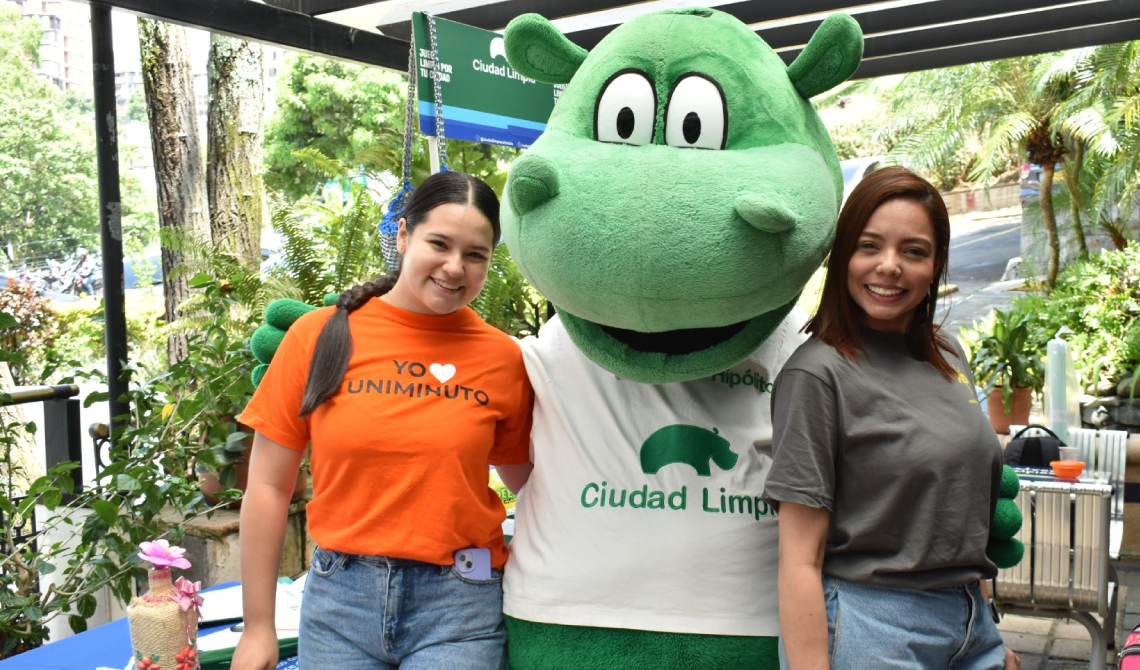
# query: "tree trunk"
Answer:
x=21 y=463
x=1050 y=224
x=1072 y=180
x=182 y=203
x=234 y=163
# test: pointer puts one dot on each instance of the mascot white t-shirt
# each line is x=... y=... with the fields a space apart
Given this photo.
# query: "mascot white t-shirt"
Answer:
x=659 y=483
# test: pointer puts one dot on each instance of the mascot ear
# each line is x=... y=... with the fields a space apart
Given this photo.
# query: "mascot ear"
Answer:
x=536 y=49
x=830 y=57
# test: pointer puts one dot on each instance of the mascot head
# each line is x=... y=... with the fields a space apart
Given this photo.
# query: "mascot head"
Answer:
x=684 y=190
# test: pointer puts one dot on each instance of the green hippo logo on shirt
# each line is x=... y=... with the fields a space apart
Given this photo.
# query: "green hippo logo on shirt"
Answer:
x=690 y=445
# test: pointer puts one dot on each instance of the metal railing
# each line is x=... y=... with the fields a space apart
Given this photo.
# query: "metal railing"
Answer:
x=62 y=436
x=61 y=441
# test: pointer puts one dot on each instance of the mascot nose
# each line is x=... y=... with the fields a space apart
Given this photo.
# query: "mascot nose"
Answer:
x=765 y=214
x=533 y=181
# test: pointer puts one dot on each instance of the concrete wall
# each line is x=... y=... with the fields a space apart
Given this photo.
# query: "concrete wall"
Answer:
x=1034 y=244
x=981 y=200
x=214 y=546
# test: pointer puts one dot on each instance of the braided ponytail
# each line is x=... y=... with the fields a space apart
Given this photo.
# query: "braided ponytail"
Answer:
x=333 y=350
x=334 y=345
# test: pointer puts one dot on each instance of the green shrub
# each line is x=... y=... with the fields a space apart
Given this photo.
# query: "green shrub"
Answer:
x=36 y=327
x=1098 y=300
x=81 y=342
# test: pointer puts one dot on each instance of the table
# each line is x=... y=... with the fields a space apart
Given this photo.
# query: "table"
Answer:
x=1066 y=571
x=106 y=646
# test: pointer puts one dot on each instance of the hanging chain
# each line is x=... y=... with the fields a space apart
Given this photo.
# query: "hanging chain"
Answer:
x=410 y=114
x=436 y=90
x=389 y=224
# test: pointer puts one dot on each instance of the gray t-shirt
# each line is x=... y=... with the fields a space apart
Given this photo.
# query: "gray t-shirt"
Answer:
x=903 y=458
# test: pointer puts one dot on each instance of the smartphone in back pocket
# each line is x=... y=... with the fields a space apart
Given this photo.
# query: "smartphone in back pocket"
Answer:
x=474 y=562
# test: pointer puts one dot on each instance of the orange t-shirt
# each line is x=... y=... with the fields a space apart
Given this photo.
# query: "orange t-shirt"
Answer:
x=401 y=451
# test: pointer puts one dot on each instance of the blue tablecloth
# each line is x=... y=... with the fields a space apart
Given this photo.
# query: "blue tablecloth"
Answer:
x=106 y=646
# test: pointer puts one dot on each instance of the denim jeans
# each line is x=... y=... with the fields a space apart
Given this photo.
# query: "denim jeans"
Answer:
x=376 y=612
x=905 y=629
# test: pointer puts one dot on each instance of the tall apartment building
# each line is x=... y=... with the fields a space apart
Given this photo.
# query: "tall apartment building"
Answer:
x=65 y=50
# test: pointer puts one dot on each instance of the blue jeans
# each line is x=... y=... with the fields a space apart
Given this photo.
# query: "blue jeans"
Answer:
x=376 y=612
x=905 y=629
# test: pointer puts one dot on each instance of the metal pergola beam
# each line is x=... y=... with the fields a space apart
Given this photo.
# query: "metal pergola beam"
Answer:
x=314 y=7
x=1042 y=25
x=911 y=17
x=496 y=17
x=1009 y=48
x=272 y=25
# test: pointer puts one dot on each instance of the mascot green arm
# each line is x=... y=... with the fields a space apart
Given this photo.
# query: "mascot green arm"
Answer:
x=1004 y=549
x=279 y=316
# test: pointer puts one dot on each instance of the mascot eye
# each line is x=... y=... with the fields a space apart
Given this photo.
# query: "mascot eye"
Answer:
x=626 y=111
x=696 y=116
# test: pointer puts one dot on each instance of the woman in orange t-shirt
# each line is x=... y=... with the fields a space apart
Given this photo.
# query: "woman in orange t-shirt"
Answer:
x=406 y=396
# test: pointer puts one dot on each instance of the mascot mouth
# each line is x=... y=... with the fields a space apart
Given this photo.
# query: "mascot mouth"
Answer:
x=675 y=342
x=672 y=355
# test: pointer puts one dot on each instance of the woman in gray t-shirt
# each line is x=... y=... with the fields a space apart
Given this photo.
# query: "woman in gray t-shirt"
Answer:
x=885 y=468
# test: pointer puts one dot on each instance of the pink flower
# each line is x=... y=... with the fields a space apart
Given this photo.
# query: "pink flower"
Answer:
x=161 y=555
x=187 y=595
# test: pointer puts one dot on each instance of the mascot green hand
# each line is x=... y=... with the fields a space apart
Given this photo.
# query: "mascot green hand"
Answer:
x=279 y=316
x=1004 y=549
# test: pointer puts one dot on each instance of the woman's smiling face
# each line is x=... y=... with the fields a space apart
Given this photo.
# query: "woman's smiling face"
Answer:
x=892 y=267
x=445 y=260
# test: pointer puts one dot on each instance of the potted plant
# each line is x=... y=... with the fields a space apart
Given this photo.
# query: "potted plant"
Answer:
x=1005 y=356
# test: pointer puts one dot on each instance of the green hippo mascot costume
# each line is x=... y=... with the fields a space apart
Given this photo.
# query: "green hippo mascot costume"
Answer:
x=682 y=195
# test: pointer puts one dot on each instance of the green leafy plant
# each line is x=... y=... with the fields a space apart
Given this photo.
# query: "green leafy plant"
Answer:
x=226 y=291
x=1098 y=301
x=81 y=342
x=330 y=241
x=1005 y=351
x=204 y=393
x=85 y=540
x=179 y=423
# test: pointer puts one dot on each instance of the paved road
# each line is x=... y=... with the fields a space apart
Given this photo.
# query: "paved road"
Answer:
x=979 y=251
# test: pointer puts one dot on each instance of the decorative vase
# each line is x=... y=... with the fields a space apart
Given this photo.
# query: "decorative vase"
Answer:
x=164 y=636
x=1019 y=410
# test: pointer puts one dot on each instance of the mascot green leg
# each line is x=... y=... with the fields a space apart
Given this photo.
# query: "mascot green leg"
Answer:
x=541 y=646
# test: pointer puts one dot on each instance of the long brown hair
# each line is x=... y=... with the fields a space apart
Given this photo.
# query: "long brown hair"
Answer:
x=839 y=317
